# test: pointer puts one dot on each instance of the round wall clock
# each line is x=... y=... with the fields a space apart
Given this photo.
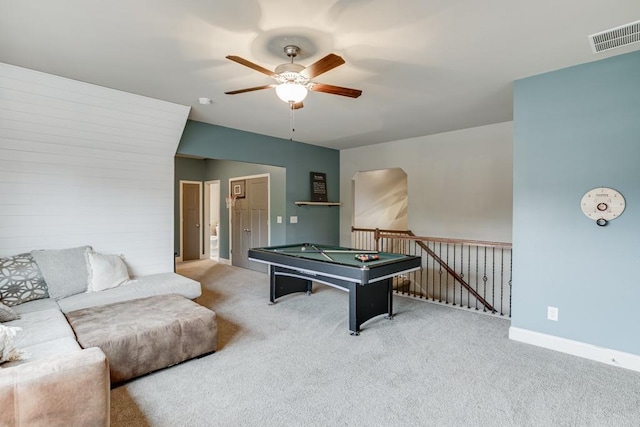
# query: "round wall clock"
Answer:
x=602 y=205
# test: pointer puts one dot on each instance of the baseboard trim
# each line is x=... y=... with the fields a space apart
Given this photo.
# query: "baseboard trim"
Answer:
x=224 y=261
x=577 y=348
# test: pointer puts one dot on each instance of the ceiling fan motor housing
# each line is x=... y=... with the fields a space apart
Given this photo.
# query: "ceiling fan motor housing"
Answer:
x=290 y=72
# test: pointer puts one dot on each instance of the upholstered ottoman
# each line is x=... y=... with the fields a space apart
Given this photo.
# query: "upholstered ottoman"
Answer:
x=142 y=335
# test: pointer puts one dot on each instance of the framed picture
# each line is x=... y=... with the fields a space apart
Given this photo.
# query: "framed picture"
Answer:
x=318 y=186
x=237 y=189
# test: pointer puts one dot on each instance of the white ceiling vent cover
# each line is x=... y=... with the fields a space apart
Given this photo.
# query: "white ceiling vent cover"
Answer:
x=615 y=37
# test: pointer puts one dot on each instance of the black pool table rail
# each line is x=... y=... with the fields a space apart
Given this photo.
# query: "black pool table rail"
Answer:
x=357 y=271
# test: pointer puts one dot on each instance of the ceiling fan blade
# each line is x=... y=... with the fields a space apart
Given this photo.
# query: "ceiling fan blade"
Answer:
x=297 y=105
x=321 y=66
x=336 y=90
x=249 y=89
x=251 y=65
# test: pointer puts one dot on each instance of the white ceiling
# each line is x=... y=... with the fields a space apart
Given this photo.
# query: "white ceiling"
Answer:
x=424 y=66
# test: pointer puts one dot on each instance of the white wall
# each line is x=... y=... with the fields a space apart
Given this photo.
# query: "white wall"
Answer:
x=82 y=164
x=459 y=183
x=380 y=199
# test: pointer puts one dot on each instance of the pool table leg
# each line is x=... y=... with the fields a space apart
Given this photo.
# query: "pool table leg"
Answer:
x=369 y=301
x=285 y=285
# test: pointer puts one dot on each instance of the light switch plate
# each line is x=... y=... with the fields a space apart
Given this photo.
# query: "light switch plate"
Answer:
x=279 y=219
x=293 y=220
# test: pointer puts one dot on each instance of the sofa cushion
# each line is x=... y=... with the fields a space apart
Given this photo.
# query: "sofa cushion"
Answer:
x=105 y=271
x=41 y=326
x=7 y=313
x=20 y=280
x=56 y=347
x=146 y=286
x=36 y=305
x=64 y=270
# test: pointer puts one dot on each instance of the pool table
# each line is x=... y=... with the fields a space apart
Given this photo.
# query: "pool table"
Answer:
x=293 y=268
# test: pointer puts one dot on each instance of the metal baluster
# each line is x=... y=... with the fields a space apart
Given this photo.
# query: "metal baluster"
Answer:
x=446 y=289
x=484 y=279
x=477 y=275
x=462 y=271
x=421 y=270
x=440 y=272
x=501 y=279
x=469 y=273
x=454 y=280
x=493 y=278
x=433 y=281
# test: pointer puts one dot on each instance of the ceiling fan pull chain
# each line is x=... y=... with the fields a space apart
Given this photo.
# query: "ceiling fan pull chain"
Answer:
x=291 y=121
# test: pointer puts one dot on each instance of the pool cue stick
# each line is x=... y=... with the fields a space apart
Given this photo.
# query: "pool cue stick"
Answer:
x=328 y=251
x=344 y=251
x=322 y=253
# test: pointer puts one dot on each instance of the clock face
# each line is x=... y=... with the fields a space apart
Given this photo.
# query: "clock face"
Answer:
x=602 y=203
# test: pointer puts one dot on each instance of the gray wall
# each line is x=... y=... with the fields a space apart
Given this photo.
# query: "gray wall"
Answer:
x=315 y=224
x=459 y=183
x=576 y=129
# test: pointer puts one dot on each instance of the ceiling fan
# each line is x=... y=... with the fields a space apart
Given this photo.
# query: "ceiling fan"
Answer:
x=294 y=80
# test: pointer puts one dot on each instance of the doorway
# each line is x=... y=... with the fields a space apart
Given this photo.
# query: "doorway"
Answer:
x=212 y=213
x=249 y=219
x=190 y=220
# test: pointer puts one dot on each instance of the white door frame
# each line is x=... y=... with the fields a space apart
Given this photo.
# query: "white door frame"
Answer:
x=262 y=175
x=207 y=216
x=199 y=183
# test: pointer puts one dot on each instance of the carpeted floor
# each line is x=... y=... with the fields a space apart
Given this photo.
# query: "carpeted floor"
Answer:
x=295 y=364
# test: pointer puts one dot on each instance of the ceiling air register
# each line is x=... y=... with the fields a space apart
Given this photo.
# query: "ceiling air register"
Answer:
x=616 y=37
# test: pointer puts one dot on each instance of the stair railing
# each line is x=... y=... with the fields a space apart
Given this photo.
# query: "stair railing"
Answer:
x=477 y=267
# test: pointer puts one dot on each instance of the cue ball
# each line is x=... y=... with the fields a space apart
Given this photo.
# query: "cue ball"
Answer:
x=303 y=248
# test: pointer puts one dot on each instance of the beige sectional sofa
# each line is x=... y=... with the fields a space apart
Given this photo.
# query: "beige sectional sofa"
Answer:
x=60 y=383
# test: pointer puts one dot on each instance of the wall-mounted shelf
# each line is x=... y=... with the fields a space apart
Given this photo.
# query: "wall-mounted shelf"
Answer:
x=302 y=203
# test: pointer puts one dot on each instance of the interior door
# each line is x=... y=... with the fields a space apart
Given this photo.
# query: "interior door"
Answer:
x=250 y=223
x=190 y=221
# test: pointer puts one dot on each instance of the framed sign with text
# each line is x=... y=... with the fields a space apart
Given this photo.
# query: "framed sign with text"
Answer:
x=318 y=187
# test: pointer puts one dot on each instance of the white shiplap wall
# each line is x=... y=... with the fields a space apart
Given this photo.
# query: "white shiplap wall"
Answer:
x=86 y=165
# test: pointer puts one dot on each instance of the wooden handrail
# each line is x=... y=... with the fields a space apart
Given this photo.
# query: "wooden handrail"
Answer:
x=411 y=236
x=453 y=273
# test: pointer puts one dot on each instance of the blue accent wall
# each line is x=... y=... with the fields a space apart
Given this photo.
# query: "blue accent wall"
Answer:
x=223 y=170
x=315 y=224
x=576 y=129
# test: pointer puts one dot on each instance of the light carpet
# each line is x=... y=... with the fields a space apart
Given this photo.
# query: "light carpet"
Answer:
x=295 y=364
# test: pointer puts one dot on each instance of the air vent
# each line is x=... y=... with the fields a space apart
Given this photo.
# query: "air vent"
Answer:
x=615 y=37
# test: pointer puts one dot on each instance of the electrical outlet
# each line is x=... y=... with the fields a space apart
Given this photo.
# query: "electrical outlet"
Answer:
x=293 y=220
x=279 y=219
x=552 y=313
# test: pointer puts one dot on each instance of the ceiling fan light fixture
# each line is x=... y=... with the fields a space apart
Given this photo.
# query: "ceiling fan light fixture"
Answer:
x=290 y=92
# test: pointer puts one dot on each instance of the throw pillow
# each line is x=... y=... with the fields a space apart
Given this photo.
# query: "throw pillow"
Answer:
x=64 y=270
x=21 y=280
x=8 y=351
x=7 y=313
x=106 y=271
